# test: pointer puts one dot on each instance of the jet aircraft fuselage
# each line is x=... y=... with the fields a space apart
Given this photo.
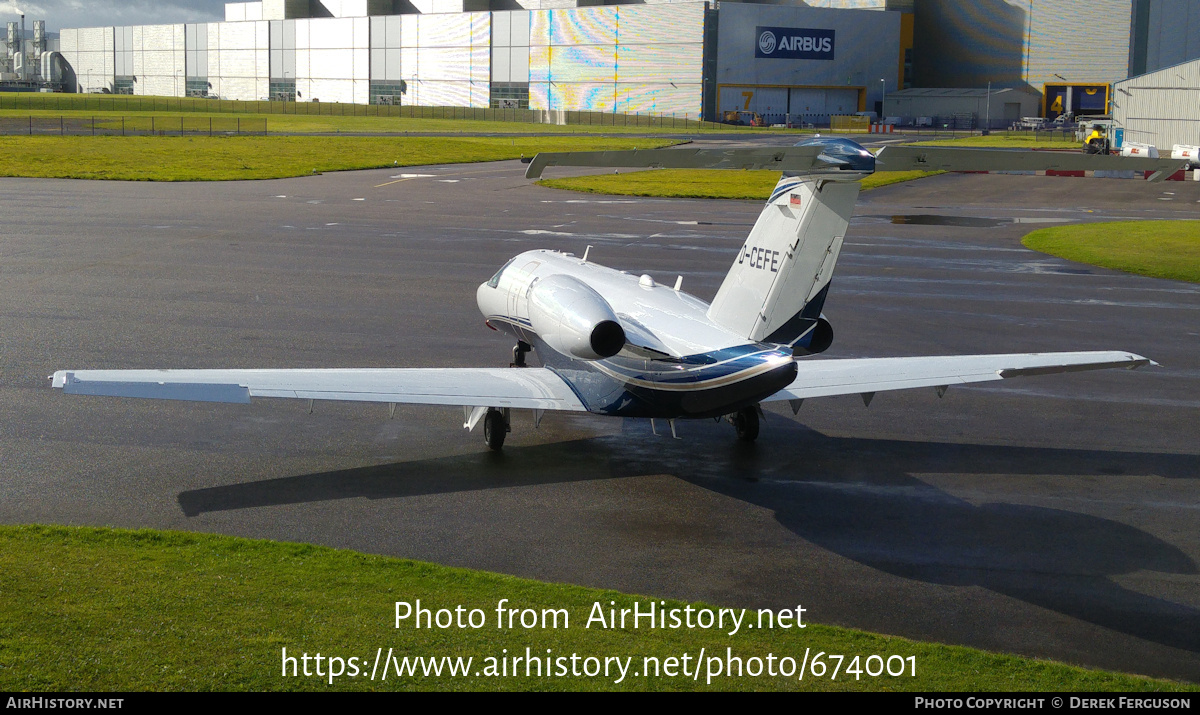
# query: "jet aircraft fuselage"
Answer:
x=686 y=366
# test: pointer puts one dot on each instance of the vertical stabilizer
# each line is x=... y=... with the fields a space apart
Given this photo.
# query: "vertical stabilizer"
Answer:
x=778 y=282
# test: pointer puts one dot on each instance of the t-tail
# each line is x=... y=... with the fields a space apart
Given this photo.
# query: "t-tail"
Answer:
x=777 y=286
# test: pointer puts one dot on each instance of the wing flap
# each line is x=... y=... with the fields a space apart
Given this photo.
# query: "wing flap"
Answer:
x=826 y=378
x=528 y=388
x=793 y=158
x=941 y=158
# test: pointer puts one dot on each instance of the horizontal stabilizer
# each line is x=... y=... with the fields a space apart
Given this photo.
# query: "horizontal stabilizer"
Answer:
x=529 y=388
x=793 y=159
x=941 y=158
x=826 y=378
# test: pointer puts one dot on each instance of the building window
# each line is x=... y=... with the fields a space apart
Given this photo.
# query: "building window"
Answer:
x=282 y=90
x=123 y=85
x=197 y=87
x=509 y=95
x=388 y=91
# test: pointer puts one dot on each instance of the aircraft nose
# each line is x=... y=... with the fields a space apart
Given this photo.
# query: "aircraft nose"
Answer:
x=489 y=300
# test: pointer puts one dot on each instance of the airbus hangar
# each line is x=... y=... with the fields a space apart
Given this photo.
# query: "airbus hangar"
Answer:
x=687 y=59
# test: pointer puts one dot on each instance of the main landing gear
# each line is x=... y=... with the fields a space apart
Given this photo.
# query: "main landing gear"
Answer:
x=496 y=420
x=495 y=428
x=745 y=422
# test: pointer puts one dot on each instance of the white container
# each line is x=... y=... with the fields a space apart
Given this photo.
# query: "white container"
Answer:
x=1183 y=151
x=1144 y=151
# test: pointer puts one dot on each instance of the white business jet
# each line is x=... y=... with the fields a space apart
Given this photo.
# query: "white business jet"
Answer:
x=622 y=345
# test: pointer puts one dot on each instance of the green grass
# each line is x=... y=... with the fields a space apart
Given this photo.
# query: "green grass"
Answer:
x=245 y=157
x=112 y=610
x=1023 y=140
x=1160 y=249
x=702 y=183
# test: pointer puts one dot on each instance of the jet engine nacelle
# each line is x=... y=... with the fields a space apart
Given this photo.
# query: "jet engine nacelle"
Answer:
x=574 y=319
x=816 y=340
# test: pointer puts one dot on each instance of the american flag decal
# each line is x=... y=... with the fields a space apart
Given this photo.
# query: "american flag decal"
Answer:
x=794 y=200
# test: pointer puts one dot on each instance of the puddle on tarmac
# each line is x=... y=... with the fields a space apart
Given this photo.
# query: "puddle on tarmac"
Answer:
x=964 y=221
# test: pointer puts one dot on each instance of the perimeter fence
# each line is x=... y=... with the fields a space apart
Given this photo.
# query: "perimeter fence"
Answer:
x=53 y=102
x=178 y=126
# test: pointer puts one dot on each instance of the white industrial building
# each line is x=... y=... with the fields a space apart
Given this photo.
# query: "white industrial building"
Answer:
x=1160 y=108
x=665 y=57
x=982 y=108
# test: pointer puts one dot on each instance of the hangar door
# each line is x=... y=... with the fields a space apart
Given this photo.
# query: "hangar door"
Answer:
x=815 y=104
x=770 y=102
x=777 y=105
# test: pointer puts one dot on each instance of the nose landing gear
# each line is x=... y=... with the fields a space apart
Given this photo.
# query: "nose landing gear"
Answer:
x=519 y=351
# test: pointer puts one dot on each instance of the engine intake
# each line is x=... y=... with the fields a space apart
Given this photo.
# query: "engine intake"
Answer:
x=574 y=319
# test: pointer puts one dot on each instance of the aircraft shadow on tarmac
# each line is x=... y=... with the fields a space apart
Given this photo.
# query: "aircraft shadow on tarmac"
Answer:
x=854 y=497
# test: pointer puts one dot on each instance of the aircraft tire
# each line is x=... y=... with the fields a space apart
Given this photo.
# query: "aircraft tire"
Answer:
x=495 y=429
x=745 y=422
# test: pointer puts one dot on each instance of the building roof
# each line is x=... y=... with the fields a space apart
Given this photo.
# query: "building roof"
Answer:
x=1171 y=72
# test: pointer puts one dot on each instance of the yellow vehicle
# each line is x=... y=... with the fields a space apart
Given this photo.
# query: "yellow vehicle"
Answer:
x=753 y=119
x=1096 y=141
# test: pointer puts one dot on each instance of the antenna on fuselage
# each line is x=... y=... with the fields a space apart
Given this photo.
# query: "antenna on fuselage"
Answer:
x=586 y=251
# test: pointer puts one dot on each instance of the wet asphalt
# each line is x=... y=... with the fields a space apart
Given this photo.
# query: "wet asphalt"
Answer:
x=1053 y=516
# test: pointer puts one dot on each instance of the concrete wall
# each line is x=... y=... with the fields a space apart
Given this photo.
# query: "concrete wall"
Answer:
x=89 y=52
x=243 y=11
x=444 y=59
x=333 y=59
x=153 y=55
x=239 y=59
x=510 y=46
x=625 y=58
x=1160 y=108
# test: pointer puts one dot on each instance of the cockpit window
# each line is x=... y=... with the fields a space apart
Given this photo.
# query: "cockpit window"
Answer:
x=495 y=281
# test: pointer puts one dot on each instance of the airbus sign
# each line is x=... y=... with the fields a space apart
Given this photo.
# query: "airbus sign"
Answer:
x=794 y=43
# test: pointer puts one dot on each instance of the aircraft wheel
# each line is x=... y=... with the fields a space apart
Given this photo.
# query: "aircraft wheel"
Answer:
x=745 y=421
x=495 y=429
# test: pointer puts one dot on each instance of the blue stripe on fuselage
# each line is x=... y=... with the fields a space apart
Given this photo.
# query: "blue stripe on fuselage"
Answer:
x=700 y=385
x=715 y=389
x=780 y=189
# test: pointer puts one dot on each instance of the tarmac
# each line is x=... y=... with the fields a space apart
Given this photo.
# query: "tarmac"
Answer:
x=1052 y=516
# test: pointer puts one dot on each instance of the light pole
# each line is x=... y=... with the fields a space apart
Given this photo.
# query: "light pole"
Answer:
x=883 y=101
x=987 y=123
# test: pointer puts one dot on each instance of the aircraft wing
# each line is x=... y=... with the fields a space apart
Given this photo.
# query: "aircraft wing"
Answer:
x=529 y=388
x=943 y=158
x=864 y=376
x=793 y=158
